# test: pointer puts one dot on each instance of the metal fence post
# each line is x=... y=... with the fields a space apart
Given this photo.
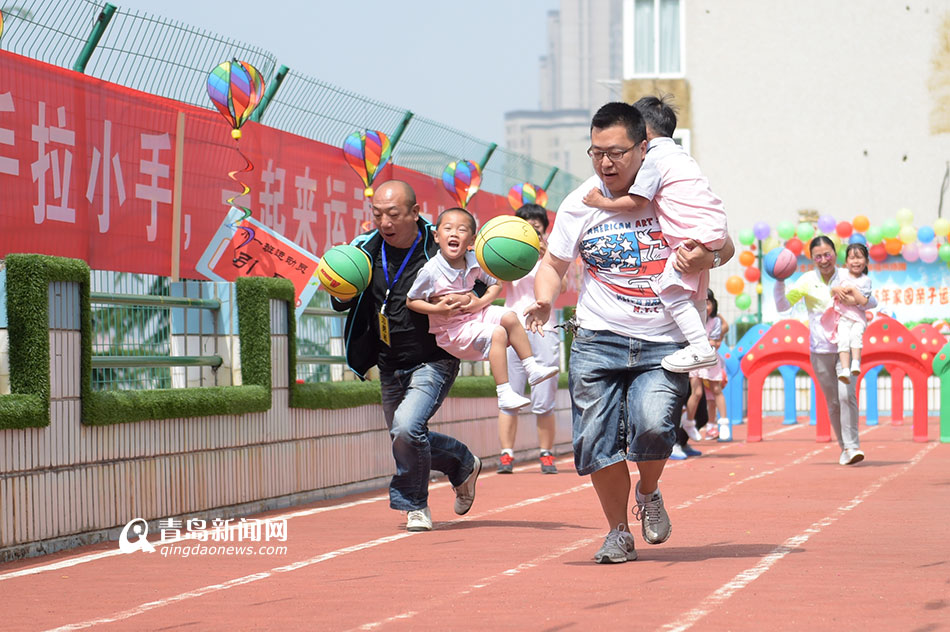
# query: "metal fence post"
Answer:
x=100 y=27
x=399 y=130
x=487 y=156
x=269 y=94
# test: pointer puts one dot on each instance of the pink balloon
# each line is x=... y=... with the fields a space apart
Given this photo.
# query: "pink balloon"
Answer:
x=928 y=252
x=910 y=252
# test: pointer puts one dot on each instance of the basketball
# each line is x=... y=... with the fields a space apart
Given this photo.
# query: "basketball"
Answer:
x=344 y=271
x=507 y=247
x=780 y=263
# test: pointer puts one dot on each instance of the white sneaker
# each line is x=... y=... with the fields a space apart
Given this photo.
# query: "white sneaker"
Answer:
x=419 y=520
x=687 y=359
x=678 y=454
x=689 y=427
x=512 y=401
x=857 y=455
x=845 y=457
x=541 y=373
x=844 y=376
x=855 y=367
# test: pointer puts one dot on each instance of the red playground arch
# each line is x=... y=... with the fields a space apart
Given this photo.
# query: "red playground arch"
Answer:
x=886 y=341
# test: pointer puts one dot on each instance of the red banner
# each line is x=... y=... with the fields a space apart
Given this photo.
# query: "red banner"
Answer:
x=88 y=170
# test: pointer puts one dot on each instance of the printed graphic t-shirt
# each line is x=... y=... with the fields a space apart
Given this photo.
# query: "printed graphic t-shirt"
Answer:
x=623 y=255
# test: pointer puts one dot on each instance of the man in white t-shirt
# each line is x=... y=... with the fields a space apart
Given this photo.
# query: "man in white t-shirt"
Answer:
x=624 y=403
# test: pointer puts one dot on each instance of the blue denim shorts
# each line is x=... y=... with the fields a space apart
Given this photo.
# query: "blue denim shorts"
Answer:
x=624 y=401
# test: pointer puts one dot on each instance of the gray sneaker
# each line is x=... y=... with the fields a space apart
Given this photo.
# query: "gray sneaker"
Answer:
x=465 y=493
x=618 y=547
x=653 y=518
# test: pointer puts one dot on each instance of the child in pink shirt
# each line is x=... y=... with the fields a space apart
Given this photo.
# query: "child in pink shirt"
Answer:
x=686 y=209
x=471 y=328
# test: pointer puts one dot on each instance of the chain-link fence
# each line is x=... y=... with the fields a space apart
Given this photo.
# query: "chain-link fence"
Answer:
x=172 y=59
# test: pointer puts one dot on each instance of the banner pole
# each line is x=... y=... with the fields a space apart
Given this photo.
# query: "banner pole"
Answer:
x=176 y=196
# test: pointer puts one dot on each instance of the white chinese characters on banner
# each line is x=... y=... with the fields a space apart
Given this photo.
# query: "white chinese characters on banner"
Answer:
x=272 y=198
x=111 y=167
x=8 y=166
x=306 y=196
x=155 y=169
x=48 y=161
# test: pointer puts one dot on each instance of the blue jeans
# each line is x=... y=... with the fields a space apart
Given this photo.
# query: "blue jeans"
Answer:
x=624 y=402
x=410 y=398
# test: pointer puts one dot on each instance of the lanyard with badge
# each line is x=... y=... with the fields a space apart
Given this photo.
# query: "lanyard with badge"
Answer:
x=383 y=320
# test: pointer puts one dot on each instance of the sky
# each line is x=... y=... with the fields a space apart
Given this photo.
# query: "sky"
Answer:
x=462 y=64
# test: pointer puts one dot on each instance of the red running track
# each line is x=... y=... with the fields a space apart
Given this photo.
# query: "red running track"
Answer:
x=773 y=535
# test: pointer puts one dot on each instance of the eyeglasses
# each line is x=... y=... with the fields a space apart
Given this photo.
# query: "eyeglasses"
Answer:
x=613 y=155
x=824 y=257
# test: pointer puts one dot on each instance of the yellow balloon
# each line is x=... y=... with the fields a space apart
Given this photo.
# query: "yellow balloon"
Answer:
x=905 y=216
x=907 y=234
x=941 y=227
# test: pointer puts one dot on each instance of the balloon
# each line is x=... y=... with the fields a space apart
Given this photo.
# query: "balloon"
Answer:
x=734 y=285
x=860 y=223
x=944 y=253
x=893 y=246
x=1 y=24
x=907 y=234
x=874 y=235
x=928 y=253
x=843 y=229
x=461 y=179
x=826 y=223
x=526 y=193
x=761 y=230
x=743 y=302
x=904 y=216
x=842 y=255
x=746 y=258
x=746 y=236
x=235 y=88
x=925 y=234
x=805 y=231
x=910 y=252
x=751 y=274
x=857 y=238
x=941 y=227
x=877 y=253
x=785 y=229
x=795 y=245
x=890 y=228
x=367 y=153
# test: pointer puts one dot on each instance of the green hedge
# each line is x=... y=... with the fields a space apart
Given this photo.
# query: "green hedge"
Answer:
x=28 y=279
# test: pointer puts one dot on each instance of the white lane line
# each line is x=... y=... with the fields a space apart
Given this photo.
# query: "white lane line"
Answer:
x=749 y=575
x=247 y=579
x=93 y=557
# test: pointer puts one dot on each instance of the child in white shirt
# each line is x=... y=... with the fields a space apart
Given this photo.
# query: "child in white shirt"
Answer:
x=467 y=327
x=686 y=208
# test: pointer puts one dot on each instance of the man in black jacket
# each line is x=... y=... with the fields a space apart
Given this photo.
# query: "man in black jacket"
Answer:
x=415 y=374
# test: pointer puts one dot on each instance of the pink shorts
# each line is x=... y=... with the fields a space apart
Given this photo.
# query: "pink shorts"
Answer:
x=468 y=336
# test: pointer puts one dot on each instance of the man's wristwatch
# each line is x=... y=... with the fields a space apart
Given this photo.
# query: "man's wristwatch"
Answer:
x=717 y=259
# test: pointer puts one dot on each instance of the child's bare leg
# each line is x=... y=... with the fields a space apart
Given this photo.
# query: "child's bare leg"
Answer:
x=498 y=355
x=719 y=398
x=845 y=358
x=516 y=335
x=695 y=394
x=856 y=354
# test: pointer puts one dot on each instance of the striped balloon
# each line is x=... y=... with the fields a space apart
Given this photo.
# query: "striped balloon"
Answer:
x=462 y=179
x=367 y=153
x=235 y=88
x=527 y=193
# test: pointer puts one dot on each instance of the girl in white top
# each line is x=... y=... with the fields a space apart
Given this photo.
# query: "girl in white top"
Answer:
x=471 y=328
x=850 y=321
x=817 y=290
